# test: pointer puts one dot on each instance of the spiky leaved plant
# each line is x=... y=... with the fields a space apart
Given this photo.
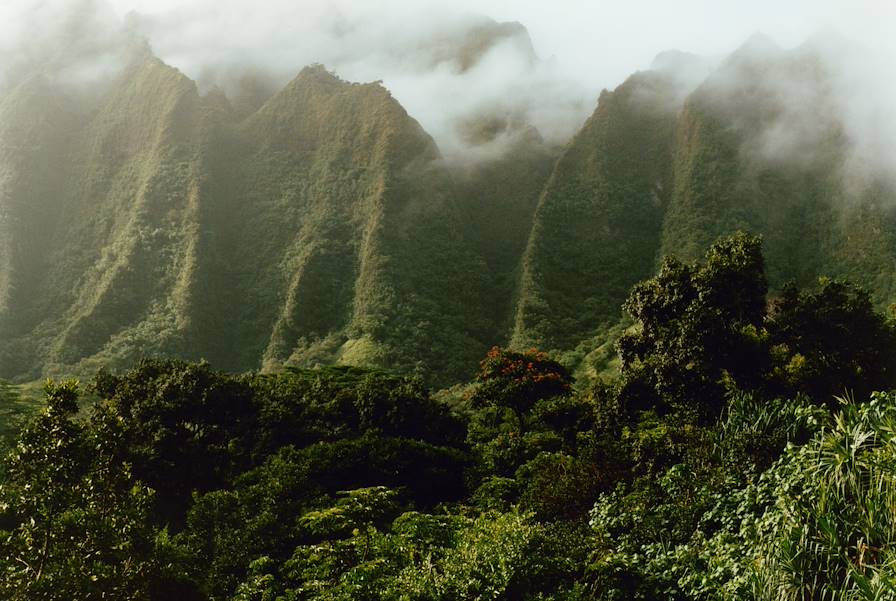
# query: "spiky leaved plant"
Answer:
x=832 y=531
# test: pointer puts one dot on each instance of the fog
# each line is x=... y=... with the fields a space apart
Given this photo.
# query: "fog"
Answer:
x=577 y=48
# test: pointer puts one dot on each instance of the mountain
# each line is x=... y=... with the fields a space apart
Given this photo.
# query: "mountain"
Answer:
x=116 y=247
x=336 y=235
x=758 y=146
x=321 y=224
x=459 y=44
x=318 y=229
x=35 y=125
x=599 y=218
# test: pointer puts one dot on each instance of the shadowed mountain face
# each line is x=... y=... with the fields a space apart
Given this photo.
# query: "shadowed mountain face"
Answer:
x=597 y=226
x=323 y=226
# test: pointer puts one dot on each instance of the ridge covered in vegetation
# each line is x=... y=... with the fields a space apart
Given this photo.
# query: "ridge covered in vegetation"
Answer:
x=659 y=171
x=321 y=225
x=319 y=229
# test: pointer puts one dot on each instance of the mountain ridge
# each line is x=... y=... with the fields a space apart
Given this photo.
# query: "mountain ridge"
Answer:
x=736 y=154
x=325 y=226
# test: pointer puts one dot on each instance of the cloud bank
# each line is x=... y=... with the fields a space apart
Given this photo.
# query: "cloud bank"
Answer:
x=447 y=78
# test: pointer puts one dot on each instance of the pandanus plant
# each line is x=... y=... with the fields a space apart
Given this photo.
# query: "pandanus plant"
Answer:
x=832 y=533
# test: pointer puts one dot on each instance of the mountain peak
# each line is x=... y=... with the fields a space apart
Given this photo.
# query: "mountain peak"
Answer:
x=758 y=47
x=315 y=86
x=674 y=60
x=482 y=37
x=318 y=73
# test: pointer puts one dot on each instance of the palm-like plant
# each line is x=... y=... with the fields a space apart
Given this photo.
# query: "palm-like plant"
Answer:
x=832 y=531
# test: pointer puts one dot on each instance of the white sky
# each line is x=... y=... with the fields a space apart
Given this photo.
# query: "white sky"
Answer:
x=588 y=45
x=598 y=41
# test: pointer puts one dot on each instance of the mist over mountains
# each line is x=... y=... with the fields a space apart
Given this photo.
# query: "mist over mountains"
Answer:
x=448 y=70
x=259 y=220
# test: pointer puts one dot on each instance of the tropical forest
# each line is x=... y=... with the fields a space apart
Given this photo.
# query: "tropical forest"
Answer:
x=340 y=309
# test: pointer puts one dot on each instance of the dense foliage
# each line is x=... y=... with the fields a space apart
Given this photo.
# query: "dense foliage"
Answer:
x=718 y=465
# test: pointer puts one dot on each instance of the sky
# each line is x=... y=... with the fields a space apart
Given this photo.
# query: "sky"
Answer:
x=600 y=41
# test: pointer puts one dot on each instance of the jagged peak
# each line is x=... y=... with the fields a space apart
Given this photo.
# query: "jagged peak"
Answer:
x=151 y=64
x=317 y=73
x=316 y=81
x=743 y=70
x=485 y=34
x=317 y=100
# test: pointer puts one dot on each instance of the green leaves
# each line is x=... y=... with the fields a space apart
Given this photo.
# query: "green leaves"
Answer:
x=831 y=531
x=76 y=519
x=695 y=327
x=517 y=380
x=830 y=339
x=819 y=524
x=358 y=509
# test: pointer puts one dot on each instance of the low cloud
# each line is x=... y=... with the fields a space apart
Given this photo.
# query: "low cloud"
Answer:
x=828 y=98
x=446 y=69
x=463 y=75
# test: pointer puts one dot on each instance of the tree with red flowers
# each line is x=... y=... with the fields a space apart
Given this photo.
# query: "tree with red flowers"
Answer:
x=518 y=380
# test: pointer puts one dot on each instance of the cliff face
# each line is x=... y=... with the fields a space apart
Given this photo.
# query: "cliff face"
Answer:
x=324 y=226
x=320 y=228
x=597 y=225
x=116 y=189
x=339 y=234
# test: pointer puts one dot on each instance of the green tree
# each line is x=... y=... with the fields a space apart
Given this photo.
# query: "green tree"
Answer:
x=188 y=427
x=74 y=520
x=695 y=327
x=503 y=429
x=830 y=340
x=517 y=380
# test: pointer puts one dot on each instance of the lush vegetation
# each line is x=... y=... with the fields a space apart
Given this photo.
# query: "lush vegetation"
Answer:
x=740 y=454
x=319 y=225
x=321 y=228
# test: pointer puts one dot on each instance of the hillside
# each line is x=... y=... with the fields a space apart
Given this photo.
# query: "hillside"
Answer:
x=648 y=176
x=336 y=236
x=598 y=220
x=316 y=230
x=324 y=225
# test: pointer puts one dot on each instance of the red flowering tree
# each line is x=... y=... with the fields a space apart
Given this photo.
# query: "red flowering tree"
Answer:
x=517 y=380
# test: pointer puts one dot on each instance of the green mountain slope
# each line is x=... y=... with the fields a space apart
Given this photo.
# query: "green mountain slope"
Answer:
x=132 y=219
x=817 y=215
x=598 y=222
x=324 y=226
x=319 y=229
x=499 y=195
x=336 y=237
x=757 y=146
